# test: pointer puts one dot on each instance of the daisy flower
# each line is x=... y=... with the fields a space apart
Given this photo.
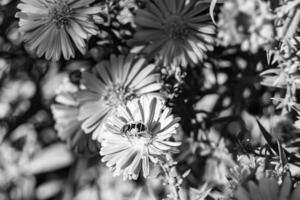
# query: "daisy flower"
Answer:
x=138 y=135
x=65 y=112
x=268 y=189
x=248 y=23
x=178 y=32
x=53 y=27
x=112 y=83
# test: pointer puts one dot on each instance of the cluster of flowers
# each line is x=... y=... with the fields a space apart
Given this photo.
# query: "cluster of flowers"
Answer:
x=118 y=107
x=248 y=23
x=14 y=183
x=119 y=101
x=178 y=32
x=266 y=187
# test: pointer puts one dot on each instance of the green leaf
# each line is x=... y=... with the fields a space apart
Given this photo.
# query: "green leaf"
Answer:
x=295 y=144
x=289 y=157
x=282 y=155
x=268 y=137
x=291 y=31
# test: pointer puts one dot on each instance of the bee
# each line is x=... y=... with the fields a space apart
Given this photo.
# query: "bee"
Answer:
x=140 y=127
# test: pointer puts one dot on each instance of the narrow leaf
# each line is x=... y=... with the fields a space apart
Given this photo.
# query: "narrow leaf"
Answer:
x=295 y=144
x=293 y=25
x=268 y=137
x=282 y=155
x=291 y=157
x=211 y=10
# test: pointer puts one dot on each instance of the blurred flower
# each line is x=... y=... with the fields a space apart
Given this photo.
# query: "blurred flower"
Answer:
x=49 y=189
x=247 y=167
x=51 y=158
x=138 y=134
x=15 y=90
x=54 y=27
x=15 y=151
x=4 y=2
x=215 y=171
x=88 y=193
x=218 y=162
x=248 y=23
x=268 y=189
x=111 y=84
x=99 y=175
x=178 y=32
x=65 y=112
x=126 y=16
x=15 y=95
x=5 y=110
x=52 y=80
x=115 y=186
x=238 y=175
x=14 y=35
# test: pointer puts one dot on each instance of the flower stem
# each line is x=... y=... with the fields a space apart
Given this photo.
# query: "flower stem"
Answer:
x=173 y=179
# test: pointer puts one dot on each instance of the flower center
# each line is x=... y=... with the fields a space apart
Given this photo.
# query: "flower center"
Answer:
x=176 y=28
x=116 y=95
x=60 y=12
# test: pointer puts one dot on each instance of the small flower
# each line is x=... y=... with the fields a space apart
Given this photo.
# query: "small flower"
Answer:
x=268 y=189
x=126 y=16
x=248 y=23
x=247 y=167
x=287 y=56
x=138 y=135
x=65 y=112
x=53 y=27
x=178 y=32
x=111 y=84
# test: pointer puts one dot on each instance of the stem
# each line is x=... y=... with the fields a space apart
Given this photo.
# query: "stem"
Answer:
x=172 y=178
